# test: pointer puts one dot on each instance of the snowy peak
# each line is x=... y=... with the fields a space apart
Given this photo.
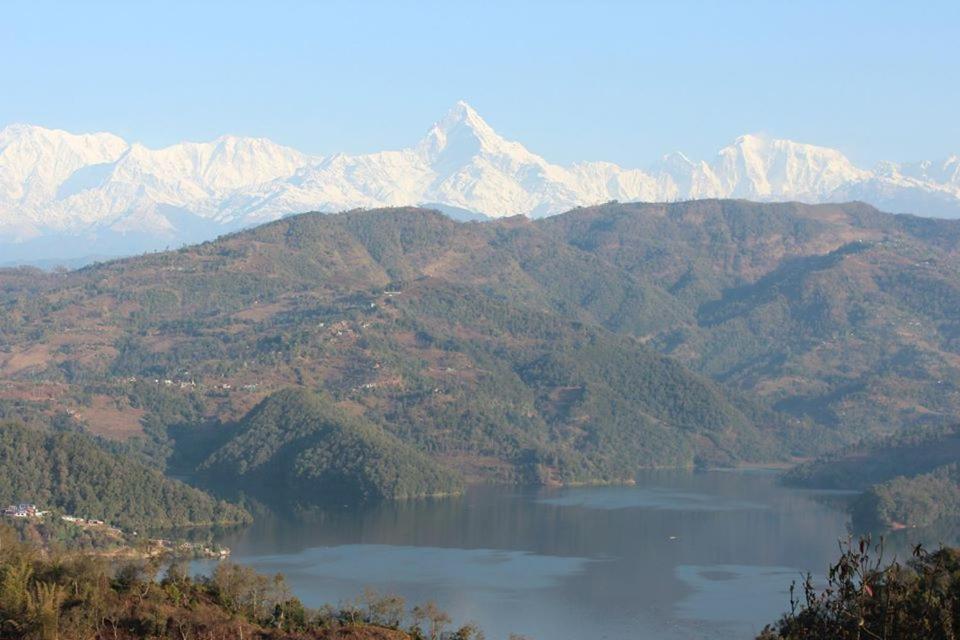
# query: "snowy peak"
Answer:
x=946 y=171
x=25 y=146
x=460 y=135
x=227 y=163
x=756 y=166
x=35 y=161
x=676 y=161
x=52 y=181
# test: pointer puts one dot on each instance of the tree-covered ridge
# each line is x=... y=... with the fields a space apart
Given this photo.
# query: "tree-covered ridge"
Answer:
x=450 y=336
x=70 y=473
x=919 y=500
x=909 y=479
x=876 y=460
x=593 y=405
x=301 y=442
x=833 y=313
x=454 y=364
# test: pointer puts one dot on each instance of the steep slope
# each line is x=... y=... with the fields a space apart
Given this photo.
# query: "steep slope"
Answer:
x=35 y=162
x=301 y=443
x=39 y=166
x=835 y=313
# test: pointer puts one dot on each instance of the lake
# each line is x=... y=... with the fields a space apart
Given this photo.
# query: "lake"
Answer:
x=678 y=555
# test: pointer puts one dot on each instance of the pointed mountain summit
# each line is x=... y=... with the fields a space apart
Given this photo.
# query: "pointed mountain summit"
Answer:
x=462 y=136
x=462 y=132
x=54 y=182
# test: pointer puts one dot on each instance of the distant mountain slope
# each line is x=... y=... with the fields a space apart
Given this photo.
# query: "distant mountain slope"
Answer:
x=55 y=185
x=477 y=344
x=528 y=349
x=838 y=313
x=859 y=466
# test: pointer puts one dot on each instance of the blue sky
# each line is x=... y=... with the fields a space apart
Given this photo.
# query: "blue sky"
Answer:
x=620 y=81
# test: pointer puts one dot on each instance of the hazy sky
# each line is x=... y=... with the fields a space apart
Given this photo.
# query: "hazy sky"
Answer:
x=620 y=81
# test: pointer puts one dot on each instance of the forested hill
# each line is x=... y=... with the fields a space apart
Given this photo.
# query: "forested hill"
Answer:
x=70 y=473
x=910 y=479
x=302 y=443
x=837 y=313
x=518 y=349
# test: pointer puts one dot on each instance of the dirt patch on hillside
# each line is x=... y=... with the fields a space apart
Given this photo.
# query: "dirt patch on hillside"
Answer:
x=259 y=312
x=37 y=356
x=104 y=418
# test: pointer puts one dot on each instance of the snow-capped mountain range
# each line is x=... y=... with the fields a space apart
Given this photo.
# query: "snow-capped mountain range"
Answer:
x=62 y=193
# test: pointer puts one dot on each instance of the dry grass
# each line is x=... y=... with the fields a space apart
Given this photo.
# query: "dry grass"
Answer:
x=105 y=419
x=34 y=357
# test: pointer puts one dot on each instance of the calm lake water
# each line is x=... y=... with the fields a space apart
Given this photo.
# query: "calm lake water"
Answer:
x=679 y=555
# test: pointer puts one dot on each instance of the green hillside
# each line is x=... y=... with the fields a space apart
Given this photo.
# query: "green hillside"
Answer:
x=72 y=474
x=859 y=466
x=300 y=442
x=910 y=479
x=580 y=347
x=919 y=500
x=837 y=313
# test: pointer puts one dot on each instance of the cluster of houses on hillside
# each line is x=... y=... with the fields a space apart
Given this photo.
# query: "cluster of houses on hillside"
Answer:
x=29 y=510
x=23 y=510
x=179 y=383
x=84 y=522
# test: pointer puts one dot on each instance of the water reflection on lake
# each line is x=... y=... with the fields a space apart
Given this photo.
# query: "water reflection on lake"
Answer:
x=679 y=555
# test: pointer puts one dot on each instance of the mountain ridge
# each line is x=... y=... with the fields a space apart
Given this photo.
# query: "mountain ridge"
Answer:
x=56 y=185
x=566 y=349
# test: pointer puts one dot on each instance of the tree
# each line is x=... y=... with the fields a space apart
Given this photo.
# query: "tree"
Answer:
x=383 y=610
x=14 y=586
x=864 y=599
x=43 y=609
x=435 y=618
x=469 y=631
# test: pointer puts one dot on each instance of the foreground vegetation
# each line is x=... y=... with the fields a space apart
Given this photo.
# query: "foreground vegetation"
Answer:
x=78 y=597
x=73 y=596
x=867 y=599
